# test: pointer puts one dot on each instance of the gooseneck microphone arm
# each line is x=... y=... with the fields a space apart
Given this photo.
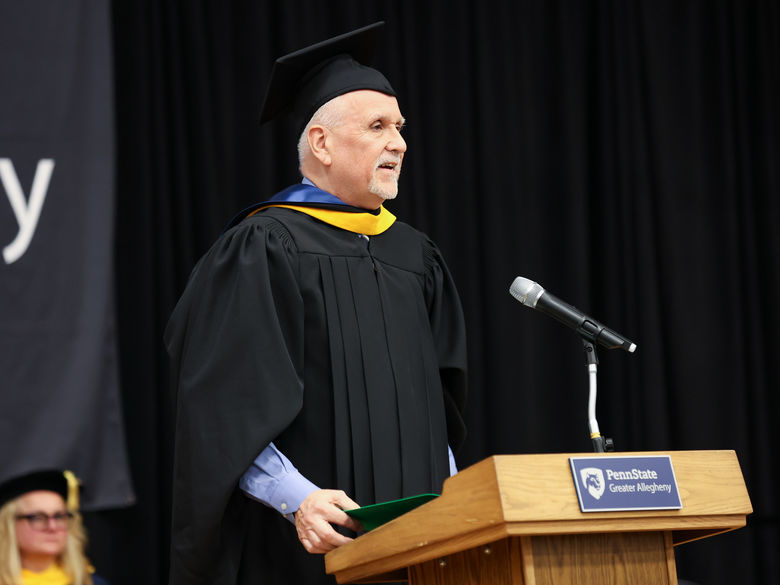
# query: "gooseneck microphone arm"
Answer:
x=600 y=443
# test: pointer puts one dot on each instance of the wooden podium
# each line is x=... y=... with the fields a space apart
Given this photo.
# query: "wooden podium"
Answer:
x=515 y=519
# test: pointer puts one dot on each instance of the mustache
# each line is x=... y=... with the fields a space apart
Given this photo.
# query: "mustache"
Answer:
x=387 y=159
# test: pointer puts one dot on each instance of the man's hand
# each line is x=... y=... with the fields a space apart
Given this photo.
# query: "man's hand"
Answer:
x=313 y=520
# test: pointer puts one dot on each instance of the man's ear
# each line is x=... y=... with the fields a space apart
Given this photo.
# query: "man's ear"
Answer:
x=319 y=144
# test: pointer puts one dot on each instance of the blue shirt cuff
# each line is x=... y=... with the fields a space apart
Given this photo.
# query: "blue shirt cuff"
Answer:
x=453 y=465
x=274 y=481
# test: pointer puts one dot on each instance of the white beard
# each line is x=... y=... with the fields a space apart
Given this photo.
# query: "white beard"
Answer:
x=383 y=189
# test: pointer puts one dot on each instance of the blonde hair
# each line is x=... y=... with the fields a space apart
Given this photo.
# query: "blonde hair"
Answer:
x=72 y=560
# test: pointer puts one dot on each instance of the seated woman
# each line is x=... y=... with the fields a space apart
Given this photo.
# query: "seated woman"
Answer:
x=42 y=537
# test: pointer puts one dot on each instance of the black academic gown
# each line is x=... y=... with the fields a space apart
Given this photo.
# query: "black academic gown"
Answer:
x=348 y=354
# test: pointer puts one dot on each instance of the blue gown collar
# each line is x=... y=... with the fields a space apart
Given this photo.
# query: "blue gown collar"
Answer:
x=305 y=192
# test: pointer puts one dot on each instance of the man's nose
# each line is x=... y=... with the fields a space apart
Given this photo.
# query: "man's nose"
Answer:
x=397 y=142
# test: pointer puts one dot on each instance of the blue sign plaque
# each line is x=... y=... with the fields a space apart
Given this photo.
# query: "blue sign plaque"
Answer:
x=612 y=484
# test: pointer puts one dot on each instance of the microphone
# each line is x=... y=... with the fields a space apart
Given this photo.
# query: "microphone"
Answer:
x=531 y=294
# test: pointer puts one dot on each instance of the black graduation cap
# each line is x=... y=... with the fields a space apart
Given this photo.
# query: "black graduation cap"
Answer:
x=303 y=81
x=53 y=480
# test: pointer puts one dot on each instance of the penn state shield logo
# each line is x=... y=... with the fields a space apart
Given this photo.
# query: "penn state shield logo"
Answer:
x=593 y=481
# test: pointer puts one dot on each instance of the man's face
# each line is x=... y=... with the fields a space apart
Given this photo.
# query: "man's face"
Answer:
x=367 y=149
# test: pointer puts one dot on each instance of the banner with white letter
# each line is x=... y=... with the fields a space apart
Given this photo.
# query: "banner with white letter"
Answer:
x=59 y=389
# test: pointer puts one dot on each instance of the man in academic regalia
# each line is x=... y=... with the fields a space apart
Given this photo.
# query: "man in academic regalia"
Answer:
x=319 y=347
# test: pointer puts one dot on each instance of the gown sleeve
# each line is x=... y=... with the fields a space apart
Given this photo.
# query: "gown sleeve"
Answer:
x=236 y=345
x=449 y=333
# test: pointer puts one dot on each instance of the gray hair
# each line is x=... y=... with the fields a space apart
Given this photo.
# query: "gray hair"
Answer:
x=330 y=114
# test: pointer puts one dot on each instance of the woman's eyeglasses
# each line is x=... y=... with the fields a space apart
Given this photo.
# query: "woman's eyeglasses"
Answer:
x=41 y=521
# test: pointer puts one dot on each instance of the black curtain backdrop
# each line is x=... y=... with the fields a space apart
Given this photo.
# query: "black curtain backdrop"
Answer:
x=623 y=154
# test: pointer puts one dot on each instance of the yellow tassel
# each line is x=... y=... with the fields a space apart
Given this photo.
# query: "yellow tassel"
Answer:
x=73 y=490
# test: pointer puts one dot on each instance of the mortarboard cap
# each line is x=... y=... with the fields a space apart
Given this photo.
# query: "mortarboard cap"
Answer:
x=64 y=483
x=303 y=81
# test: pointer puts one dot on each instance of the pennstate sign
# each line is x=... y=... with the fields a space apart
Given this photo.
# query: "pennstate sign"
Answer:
x=612 y=484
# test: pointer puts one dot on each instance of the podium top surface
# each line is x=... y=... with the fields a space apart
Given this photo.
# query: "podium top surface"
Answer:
x=517 y=495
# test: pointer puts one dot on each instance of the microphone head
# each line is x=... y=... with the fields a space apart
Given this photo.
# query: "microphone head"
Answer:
x=526 y=291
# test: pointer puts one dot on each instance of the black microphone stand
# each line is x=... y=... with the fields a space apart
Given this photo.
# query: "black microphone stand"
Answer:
x=600 y=444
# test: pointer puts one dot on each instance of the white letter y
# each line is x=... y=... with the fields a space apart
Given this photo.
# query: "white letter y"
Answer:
x=27 y=213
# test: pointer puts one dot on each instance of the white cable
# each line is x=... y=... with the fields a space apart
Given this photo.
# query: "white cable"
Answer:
x=593 y=426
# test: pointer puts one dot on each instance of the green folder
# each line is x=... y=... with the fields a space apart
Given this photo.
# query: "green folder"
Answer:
x=377 y=514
